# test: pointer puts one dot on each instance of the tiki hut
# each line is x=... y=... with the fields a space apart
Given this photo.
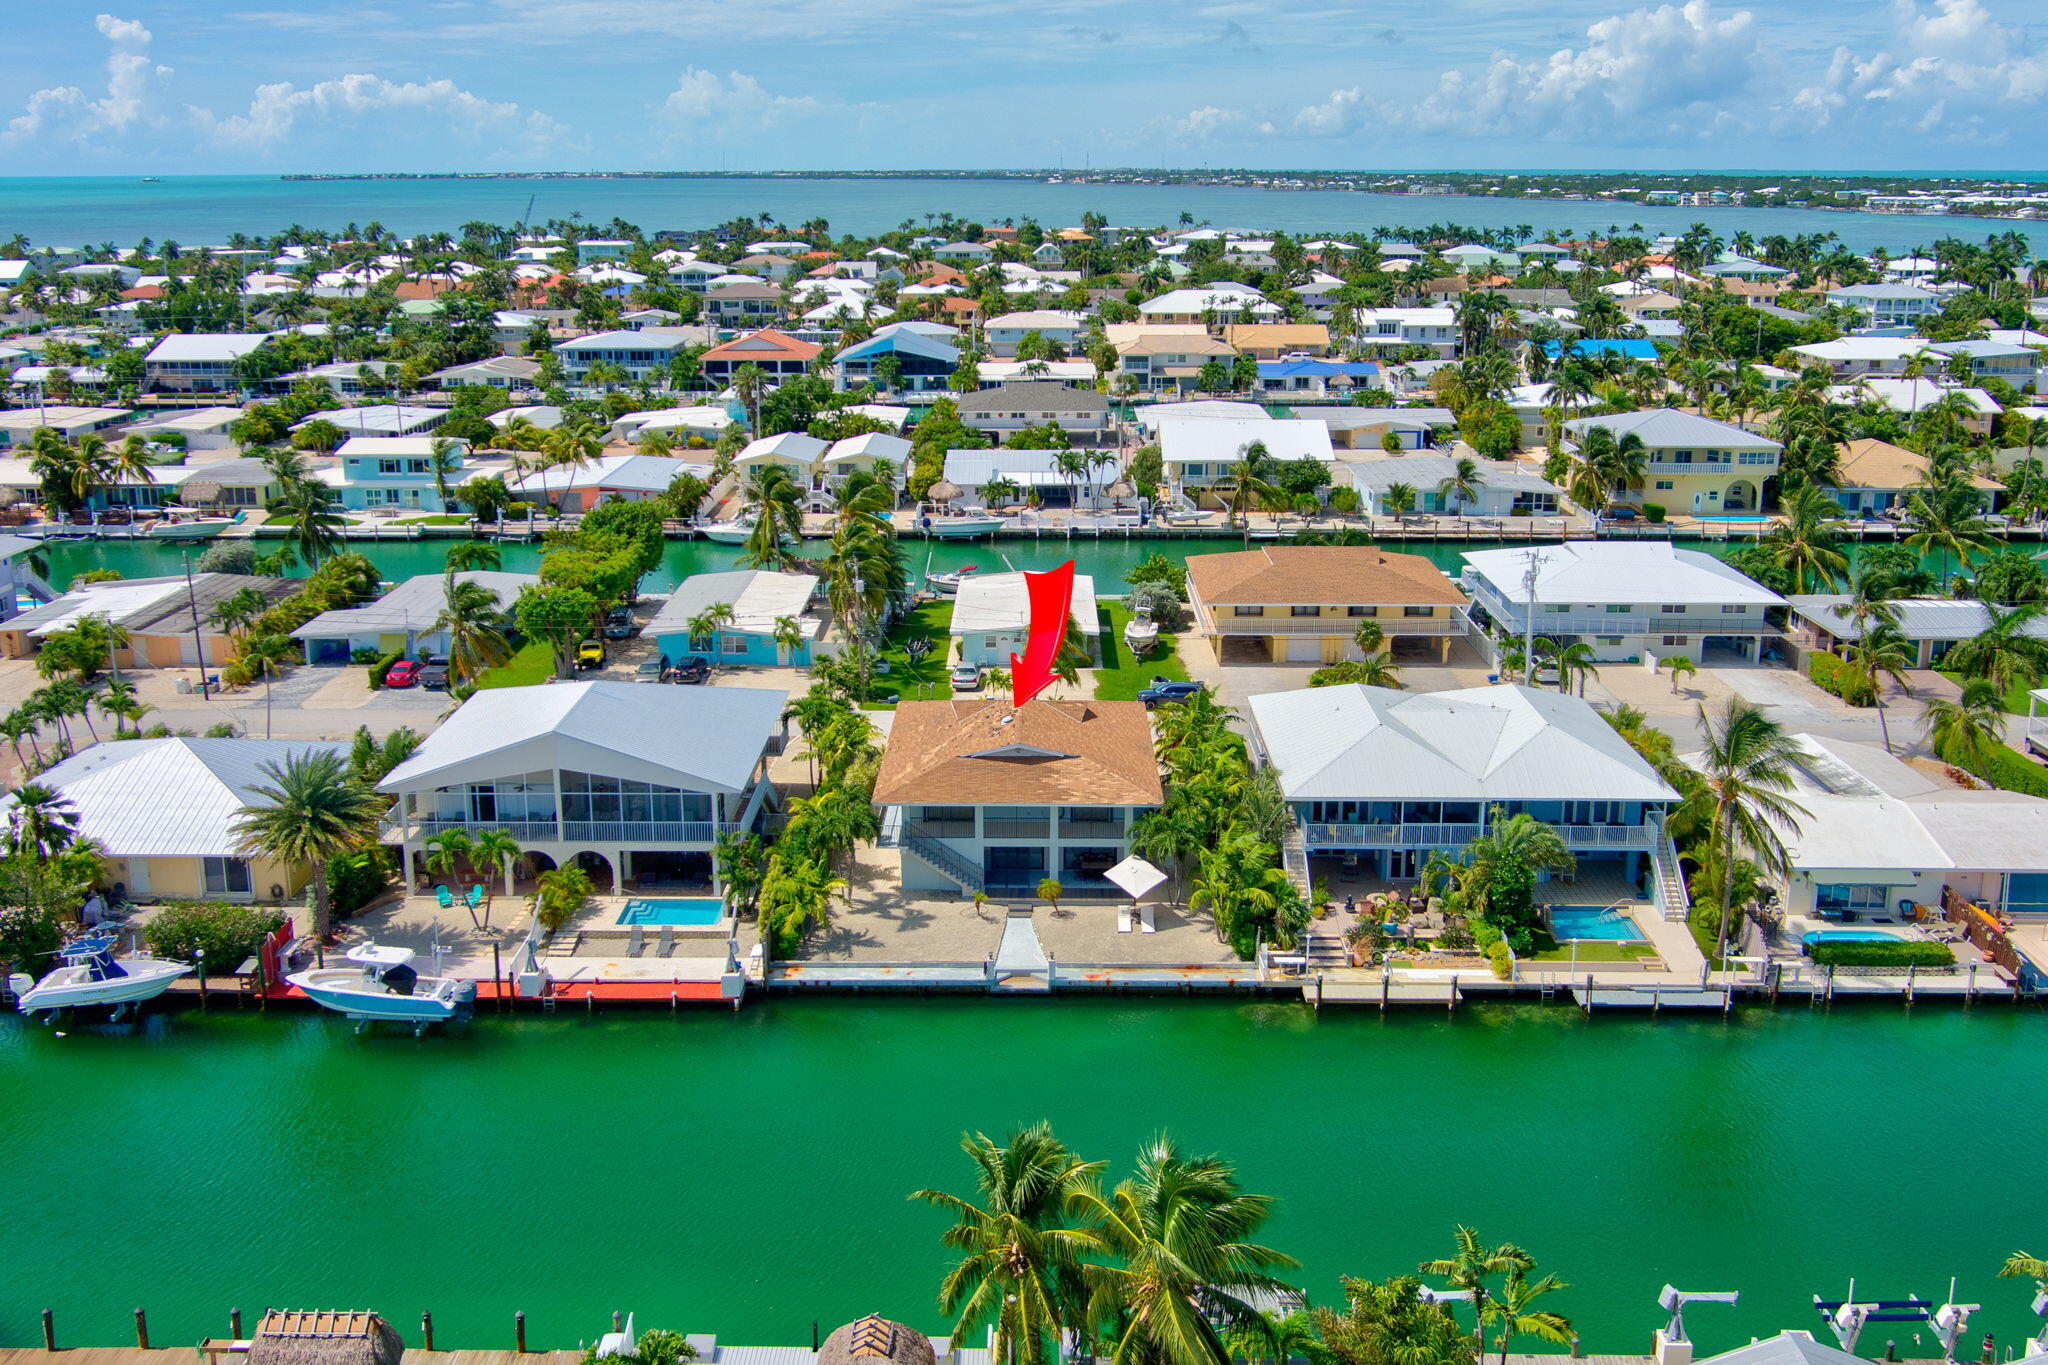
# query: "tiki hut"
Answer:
x=874 y=1340
x=328 y=1339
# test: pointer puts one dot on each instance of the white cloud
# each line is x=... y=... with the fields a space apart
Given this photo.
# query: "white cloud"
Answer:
x=67 y=114
x=1957 y=75
x=278 y=110
x=1206 y=122
x=706 y=102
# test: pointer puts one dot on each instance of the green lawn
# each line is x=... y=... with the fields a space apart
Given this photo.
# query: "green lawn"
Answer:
x=437 y=519
x=2015 y=701
x=1122 y=677
x=532 y=664
x=1593 y=951
x=925 y=677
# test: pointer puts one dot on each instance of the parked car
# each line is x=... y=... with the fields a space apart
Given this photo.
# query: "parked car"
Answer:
x=1165 y=692
x=618 y=624
x=590 y=654
x=404 y=673
x=692 y=668
x=434 y=673
x=652 y=668
x=966 y=677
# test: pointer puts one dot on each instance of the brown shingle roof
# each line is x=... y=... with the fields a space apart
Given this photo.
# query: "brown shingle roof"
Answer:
x=1871 y=463
x=1319 y=573
x=763 y=345
x=980 y=752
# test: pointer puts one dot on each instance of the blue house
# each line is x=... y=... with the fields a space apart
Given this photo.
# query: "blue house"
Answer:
x=1317 y=375
x=923 y=363
x=758 y=599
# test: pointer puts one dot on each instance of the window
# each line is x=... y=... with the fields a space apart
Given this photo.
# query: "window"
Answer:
x=1304 y=611
x=1608 y=639
x=1242 y=610
x=387 y=466
x=1559 y=608
x=1680 y=641
x=1016 y=822
x=733 y=644
x=1672 y=609
x=1619 y=608
x=1362 y=611
x=1838 y=898
x=947 y=822
x=227 y=876
x=1418 y=611
x=1665 y=485
x=1729 y=609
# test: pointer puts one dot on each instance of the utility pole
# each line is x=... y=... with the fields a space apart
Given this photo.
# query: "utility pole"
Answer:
x=1529 y=620
x=198 y=640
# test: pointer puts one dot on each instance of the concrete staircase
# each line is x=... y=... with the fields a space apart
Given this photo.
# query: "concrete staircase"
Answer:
x=944 y=861
x=1668 y=881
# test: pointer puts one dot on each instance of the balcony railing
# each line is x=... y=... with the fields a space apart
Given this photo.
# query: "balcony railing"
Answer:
x=1642 y=623
x=1588 y=838
x=572 y=831
x=1337 y=625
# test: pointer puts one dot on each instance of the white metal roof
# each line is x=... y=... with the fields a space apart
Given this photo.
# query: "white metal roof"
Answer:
x=1603 y=571
x=993 y=602
x=1222 y=440
x=186 y=347
x=870 y=445
x=627 y=473
x=170 y=798
x=1501 y=743
x=792 y=446
x=757 y=598
x=701 y=738
x=413 y=605
x=1920 y=618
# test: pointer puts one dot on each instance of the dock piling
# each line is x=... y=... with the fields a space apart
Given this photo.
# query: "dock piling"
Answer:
x=49 y=1330
x=618 y=1321
x=234 y=1324
x=427 y=1329
x=519 y=1331
x=141 y=1330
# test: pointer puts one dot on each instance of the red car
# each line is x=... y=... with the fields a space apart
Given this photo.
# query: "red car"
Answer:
x=404 y=673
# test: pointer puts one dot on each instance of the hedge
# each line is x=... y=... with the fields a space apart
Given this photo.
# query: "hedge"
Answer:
x=1842 y=678
x=380 y=668
x=2010 y=770
x=1901 y=953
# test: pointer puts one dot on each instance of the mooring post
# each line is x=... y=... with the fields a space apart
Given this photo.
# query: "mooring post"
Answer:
x=234 y=1324
x=199 y=958
x=498 y=976
x=49 y=1330
x=427 y=1328
x=519 y=1331
x=141 y=1330
x=618 y=1321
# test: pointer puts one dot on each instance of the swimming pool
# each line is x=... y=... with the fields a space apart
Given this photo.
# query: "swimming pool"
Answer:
x=695 y=912
x=1736 y=517
x=1812 y=936
x=1569 y=922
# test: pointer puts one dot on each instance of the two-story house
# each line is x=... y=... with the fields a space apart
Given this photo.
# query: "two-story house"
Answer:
x=1169 y=359
x=1009 y=408
x=1888 y=305
x=1389 y=777
x=1626 y=599
x=1200 y=451
x=904 y=360
x=199 y=362
x=633 y=784
x=1305 y=603
x=644 y=356
x=985 y=798
x=778 y=355
x=397 y=471
x=1387 y=329
x=1691 y=463
x=749 y=304
x=1062 y=328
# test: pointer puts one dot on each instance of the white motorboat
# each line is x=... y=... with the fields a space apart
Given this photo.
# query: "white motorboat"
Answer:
x=189 y=528
x=1141 y=633
x=382 y=983
x=728 y=532
x=963 y=526
x=1184 y=516
x=947 y=584
x=91 y=975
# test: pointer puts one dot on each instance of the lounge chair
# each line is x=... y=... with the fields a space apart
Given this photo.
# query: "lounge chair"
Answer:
x=1123 y=919
x=443 y=895
x=475 y=899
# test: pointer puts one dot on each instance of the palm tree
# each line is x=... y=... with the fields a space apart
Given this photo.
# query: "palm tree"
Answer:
x=310 y=810
x=16 y=726
x=1369 y=636
x=2007 y=650
x=467 y=555
x=1462 y=484
x=1471 y=1264
x=130 y=460
x=1516 y=1314
x=706 y=624
x=1680 y=666
x=474 y=620
x=1399 y=499
x=239 y=610
x=1019 y=1268
x=1746 y=761
x=1807 y=543
x=1945 y=520
x=1168 y=1243
x=1246 y=487
x=306 y=509
x=447 y=849
x=772 y=498
x=42 y=821
x=444 y=457
x=789 y=637
x=1574 y=663
x=1968 y=729
x=494 y=848
x=1882 y=653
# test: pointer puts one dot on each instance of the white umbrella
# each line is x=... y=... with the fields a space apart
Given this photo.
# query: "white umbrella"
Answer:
x=1134 y=876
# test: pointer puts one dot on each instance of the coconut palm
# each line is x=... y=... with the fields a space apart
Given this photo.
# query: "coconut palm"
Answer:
x=1019 y=1267
x=1472 y=1264
x=771 y=497
x=2009 y=649
x=1680 y=666
x=1514 y=1313
x=449 y=849
x=310 y=809
x=1746 y=760
x=1461 y=485
x=42 y=821
x=1387 y=1323
x=305 y=508
x=1945 y=520
x=1369 y=636
x=789 y=637
x=1245 y=487
x=495 y=849
x=467 y=555
x=1881 y=652
x=474 y=620
x=239 y=610
x=17 y=725
x=706 y=624
x=444 y=458
x=1966 y=730
x=1807 y=543
x=1169 y=1243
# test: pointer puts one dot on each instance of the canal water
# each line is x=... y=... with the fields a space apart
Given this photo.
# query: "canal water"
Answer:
x=748 y=1174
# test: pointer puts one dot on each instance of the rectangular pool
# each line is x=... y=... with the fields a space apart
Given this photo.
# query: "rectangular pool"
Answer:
x=1569 y=922
x=698 y=912
x=1813 y=936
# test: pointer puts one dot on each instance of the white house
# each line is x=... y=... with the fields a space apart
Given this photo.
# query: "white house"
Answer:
x=396 y=471
x=634 y=784
x=1062 y=328
x=643 y=355
x=1198 y=452
x=1888 y=305
x=992 y=617
x=1626 y=599
x=184 y=362
x=1506 y=489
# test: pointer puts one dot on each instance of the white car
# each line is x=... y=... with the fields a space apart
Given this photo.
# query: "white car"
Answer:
x=966 y=677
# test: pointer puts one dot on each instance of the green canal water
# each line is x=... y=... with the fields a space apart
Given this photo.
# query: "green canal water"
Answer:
x=747 y=1174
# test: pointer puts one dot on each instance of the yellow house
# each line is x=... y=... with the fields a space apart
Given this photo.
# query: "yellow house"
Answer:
x=164 y=812
x=159 y=615
x=1692 y=465
x=1305 y=603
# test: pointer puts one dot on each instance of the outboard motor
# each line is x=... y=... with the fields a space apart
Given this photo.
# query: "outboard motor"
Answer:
x=20 y=984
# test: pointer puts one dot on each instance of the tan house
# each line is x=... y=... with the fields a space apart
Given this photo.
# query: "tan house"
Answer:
x=1304 y=603
x=169 y=621
x=159 y=848
x=1874 y=475
x=1272 y=340
x=992 y=799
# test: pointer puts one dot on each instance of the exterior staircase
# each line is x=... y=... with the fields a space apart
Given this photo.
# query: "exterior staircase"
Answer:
x=1668 y=879
x=1294 y=857
x=944 y=861
x=1323 y=952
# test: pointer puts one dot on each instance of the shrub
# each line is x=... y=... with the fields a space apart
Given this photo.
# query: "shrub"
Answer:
x=1900 y=953
x=380 y=668
x=28 y=936
x=562 y=894
x=1498 y=959
x=1344 y=500
x=228 y=556
x=1653 y=511
x=356 y=879
x=362 y=656
x=1842 y=678
x=2010 y=770
x=1485 y=937
x=226 y=933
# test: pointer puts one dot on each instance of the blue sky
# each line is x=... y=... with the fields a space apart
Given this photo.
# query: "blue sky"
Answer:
x=357 y=85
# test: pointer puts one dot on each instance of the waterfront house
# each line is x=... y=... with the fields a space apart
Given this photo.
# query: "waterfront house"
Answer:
x=748 y=303
x=1888 y=305
x=863 y=454
x=1930 y=626
x=1909 y=397
x=1158 y=359
x=404 y=620
x=347 y=378
x=395 y=471
x=1031 y=472
x=509 y=372
x=169 y=622
x=1508 y=490
x=185 y=848
x=1880 y=837
x=67 y=421
x=238 y=483
x=1874 y=476
x=192 y=362
x=1395 y=328
x=19 y=582
x=1317 y=378
x=622 y=477
x=632 y=783
x=903 y=360
x=778 y=355
x=1855 y=357
x=705 y=421
x=791 y=451
x=1009 y=408
x=1198 y=452
x=1062 y=328
x=1210 y=305
x=761 y=600
x=1277 y=340
x=1366 y=429
x=1391 y=777
x=981 y=797
x=1691 y=463
x=188 y=428
x=1304 y=603
x=645 y=356
x=992 y=618
x=379 y=419
x=1628 y=600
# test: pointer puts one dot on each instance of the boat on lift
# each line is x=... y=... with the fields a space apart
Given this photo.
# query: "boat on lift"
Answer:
x=172 y=526
x=92 y=976
x=959 y=526
x=947 y=584
x=728 y=532
x=382 y=983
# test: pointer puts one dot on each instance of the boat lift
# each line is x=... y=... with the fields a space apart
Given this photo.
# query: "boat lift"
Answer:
x=1848 y=1316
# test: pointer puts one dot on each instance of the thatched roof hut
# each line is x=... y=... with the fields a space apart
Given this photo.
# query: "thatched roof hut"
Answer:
x=325 y=1339
x=875 y=1340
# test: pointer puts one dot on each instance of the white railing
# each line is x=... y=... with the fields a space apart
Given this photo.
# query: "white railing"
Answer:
x=1337 y=625
x=1576 y=837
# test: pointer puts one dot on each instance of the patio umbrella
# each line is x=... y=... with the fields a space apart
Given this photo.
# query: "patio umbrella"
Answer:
x=1134 y=876
x=945 y=490
x=1120 y=490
